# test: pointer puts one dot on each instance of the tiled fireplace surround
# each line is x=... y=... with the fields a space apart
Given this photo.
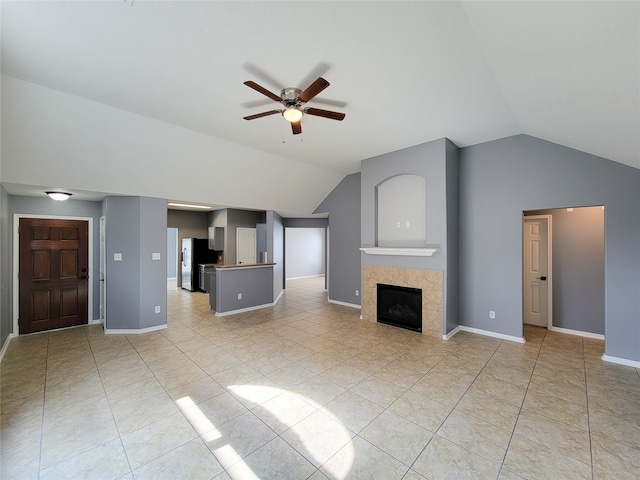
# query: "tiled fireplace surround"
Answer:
x=430 y=281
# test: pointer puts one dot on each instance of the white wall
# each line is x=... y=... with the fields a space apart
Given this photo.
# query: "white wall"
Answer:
x=304 y=252
x=86 y=145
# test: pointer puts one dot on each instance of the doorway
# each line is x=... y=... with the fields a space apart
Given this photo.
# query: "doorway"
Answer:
x=54 y=274
x=576 y=286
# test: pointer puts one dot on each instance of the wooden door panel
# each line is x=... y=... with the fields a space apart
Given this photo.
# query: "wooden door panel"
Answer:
x=41 y=261
x=69 y=302
x=68 y=264
x=40 y=305
x=53 y=273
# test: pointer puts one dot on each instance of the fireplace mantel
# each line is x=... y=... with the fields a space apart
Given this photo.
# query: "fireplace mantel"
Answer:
x=404 y=251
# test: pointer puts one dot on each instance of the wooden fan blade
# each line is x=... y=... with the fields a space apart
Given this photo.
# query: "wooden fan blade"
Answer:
x=263 y=91
x=314 y=89
x=263 y=114
x=318 y=112
x=296 y=127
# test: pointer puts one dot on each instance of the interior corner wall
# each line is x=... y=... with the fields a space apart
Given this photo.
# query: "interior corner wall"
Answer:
x=153 y=273
x=500 y=180
x=136 y=227
x=275 y=250
x=344 y=273
x=6 y=288
x=452 y=274
x=122 y=278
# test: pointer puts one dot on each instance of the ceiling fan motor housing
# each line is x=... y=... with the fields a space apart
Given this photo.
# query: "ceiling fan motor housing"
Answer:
x=290 y=96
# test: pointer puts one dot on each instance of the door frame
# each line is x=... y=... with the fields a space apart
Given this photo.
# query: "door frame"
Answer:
x=16 y=264
x=549 y=266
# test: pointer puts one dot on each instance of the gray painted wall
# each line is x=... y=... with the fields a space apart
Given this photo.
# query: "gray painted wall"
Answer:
x=172 y=252
x=255 y=285
x=136 y=227
x=6 y=289
x=578 y=268
x=438 y=163
x=428 y=161
x=70 y=208
x=501 y=179
x=344 y=272
x=452 y=274
x=275 y=249
x=306 y=222
x=153 y=273
x=304 y=252
x=230 y=219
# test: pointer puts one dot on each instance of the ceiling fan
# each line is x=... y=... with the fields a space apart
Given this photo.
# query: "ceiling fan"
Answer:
x=293 y=100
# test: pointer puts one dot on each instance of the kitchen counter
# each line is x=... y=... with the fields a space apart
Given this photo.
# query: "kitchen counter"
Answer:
x=245 y=265
x=240 y=288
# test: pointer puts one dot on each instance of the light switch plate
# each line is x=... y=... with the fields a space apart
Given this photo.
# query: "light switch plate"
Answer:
x=155 y=256
x=117 y=257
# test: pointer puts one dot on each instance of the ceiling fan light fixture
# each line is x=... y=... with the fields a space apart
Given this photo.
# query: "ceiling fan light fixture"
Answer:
x=58 y=196
x=292 y=114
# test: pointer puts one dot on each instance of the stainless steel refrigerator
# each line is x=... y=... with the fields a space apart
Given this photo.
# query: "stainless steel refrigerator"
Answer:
x=194 y=252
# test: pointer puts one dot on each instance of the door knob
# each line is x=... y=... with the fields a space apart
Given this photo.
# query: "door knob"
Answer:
x=541 y=278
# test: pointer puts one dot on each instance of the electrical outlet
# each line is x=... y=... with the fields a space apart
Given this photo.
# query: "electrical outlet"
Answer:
x=357 y=293
x=239 y=296
x=407 y=224
x=492 y=314
x=157 y=308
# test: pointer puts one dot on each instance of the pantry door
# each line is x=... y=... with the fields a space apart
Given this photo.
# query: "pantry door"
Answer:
x=53 y=274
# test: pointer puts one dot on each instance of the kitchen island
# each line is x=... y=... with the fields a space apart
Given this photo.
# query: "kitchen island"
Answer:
x=240 y=288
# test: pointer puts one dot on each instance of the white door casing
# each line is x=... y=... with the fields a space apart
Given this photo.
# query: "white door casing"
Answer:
x=246 y=245
x=536 y=269
x=103 y=264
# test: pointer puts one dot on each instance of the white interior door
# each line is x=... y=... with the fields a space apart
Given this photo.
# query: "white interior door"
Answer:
x=245 y=245
x=536 y=270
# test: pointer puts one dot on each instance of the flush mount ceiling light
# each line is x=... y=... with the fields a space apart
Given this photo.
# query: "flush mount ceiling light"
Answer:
x=58 y=196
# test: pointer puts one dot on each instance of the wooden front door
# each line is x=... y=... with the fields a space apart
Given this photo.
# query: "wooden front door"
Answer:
x=54 y=274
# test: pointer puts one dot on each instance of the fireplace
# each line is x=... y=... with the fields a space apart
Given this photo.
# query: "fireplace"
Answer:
x=400 y=306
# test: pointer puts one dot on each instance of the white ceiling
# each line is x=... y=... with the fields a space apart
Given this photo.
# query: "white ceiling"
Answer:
x=403 y=72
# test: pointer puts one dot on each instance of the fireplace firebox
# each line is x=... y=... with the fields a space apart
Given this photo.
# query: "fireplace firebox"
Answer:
x=400 y=306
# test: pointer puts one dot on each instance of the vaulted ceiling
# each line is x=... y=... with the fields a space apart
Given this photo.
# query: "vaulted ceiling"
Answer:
x=403 y=72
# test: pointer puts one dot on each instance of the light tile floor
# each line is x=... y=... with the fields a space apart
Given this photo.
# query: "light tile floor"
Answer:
x=307 y=390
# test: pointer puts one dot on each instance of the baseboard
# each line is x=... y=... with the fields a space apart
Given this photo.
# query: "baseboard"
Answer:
x=5 y=346
x=447 y=336
x=345 y=304
x=578 y=333
x=94 y=321
x=621 y=361
x=306 y=276
x=275 y=302
x=488 y=333
x=126 y=331
x=242 y=310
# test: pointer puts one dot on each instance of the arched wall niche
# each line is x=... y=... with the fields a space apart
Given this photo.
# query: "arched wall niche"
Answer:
x=400 y=211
